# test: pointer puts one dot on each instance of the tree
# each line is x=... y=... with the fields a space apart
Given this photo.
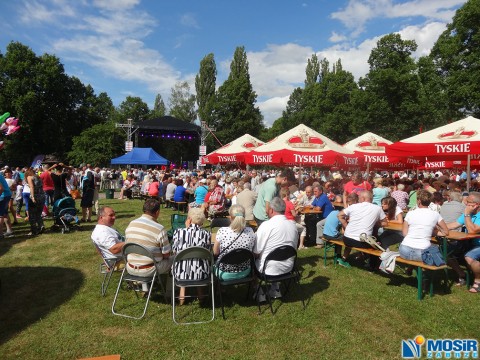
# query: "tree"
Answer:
x=312 y=71
x=97 y=145
x=132 y=108
x=159 y=108
x=205 y=83
x=182 y=102
x=52 y=107
x=456 y=55
x=392 y=100
x=235 y=110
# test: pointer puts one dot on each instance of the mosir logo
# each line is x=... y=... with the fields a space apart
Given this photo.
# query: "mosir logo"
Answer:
x=308 y=158
x=350 y=161
x=453 y=148
x=265 y=159
x=227 y=158
x=376 y=158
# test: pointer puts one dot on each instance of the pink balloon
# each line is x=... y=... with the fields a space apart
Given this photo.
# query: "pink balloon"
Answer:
x=12 y=129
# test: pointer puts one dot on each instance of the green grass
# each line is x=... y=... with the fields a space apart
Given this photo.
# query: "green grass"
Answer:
x=51 y=308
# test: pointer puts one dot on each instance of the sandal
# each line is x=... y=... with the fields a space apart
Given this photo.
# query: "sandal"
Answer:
x=475 y=289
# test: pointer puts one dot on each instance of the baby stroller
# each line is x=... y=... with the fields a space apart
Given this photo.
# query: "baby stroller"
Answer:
x=65 y=213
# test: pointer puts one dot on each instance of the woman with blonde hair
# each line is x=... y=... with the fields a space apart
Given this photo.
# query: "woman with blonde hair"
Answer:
x=236 y=236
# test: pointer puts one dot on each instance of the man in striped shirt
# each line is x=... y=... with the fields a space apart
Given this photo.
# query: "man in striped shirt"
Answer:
x=148 y=232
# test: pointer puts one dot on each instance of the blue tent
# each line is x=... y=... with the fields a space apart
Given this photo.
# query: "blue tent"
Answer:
x=140 y=156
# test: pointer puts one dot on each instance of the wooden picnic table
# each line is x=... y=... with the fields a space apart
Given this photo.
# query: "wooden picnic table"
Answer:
x=441 y=239
x=338 y=205
x=311 y=210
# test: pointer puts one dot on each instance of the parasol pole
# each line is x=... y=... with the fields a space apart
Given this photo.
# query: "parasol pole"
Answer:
x=468 y=173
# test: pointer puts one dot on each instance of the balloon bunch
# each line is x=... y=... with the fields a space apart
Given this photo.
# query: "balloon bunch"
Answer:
x=8 y=125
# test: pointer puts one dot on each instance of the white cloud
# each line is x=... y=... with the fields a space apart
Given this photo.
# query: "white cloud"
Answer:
x=358 y=12
x=278 y=69
x=424 y=36
x=189 y=20
x=337 y=37
x=116 y=5
x=127 y=59
x=36 y=12
x=272 y=108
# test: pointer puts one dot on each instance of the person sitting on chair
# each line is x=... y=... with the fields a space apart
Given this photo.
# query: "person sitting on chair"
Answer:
x=236 y=236
x=215 y=203
x=271 y=234
x=191 y=235
x=106 y=238
x=146 y=231
x=126 y=191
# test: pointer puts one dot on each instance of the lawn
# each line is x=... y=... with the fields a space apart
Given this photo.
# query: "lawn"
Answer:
x=51 y=308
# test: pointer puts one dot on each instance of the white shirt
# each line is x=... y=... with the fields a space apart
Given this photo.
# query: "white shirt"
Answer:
x=362 y=218
x=105 y=237
x=271 y=234
x=421 y=223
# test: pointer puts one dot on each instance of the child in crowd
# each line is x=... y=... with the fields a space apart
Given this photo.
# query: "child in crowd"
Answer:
x=19 y=198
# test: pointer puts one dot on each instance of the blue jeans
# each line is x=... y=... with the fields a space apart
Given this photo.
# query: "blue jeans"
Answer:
x=409 y=253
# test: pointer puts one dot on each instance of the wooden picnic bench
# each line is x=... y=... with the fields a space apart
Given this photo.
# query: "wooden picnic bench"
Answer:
x=419 y=265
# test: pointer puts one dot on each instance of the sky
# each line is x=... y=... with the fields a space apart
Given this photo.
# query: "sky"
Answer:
x=144 y=47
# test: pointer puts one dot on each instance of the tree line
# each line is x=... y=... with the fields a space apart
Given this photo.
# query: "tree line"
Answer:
x=398 y=97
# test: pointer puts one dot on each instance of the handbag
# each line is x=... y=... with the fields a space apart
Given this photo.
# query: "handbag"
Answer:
x=225 y=250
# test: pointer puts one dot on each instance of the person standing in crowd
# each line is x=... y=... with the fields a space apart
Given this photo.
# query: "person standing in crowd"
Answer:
x=401 y=196
x=356 y=185
x=270 y=189
x=48 y=187
x=5 y=196
x=255 y=181
x=88 y=189
x=321 y=202
x=59 y=181
x=247 y=198
x=97 y=178
x=380 y=191
x=35 y=203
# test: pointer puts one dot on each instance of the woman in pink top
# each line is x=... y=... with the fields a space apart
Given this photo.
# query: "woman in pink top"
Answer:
x=153 y=187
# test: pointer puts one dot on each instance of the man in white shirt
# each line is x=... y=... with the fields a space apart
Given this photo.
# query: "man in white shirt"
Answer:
x=362 y=218
x=108 y=240
x=271 y=234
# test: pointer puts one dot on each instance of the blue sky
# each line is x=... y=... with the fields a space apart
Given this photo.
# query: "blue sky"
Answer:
x=143 y=47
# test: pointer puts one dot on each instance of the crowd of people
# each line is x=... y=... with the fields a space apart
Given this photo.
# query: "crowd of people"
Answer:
x=350 y=206
x=266 y=209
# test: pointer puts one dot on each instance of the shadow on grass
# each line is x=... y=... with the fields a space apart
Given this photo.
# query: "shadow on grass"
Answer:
x=28 y=294
x=20 y=235
x=439 y=278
